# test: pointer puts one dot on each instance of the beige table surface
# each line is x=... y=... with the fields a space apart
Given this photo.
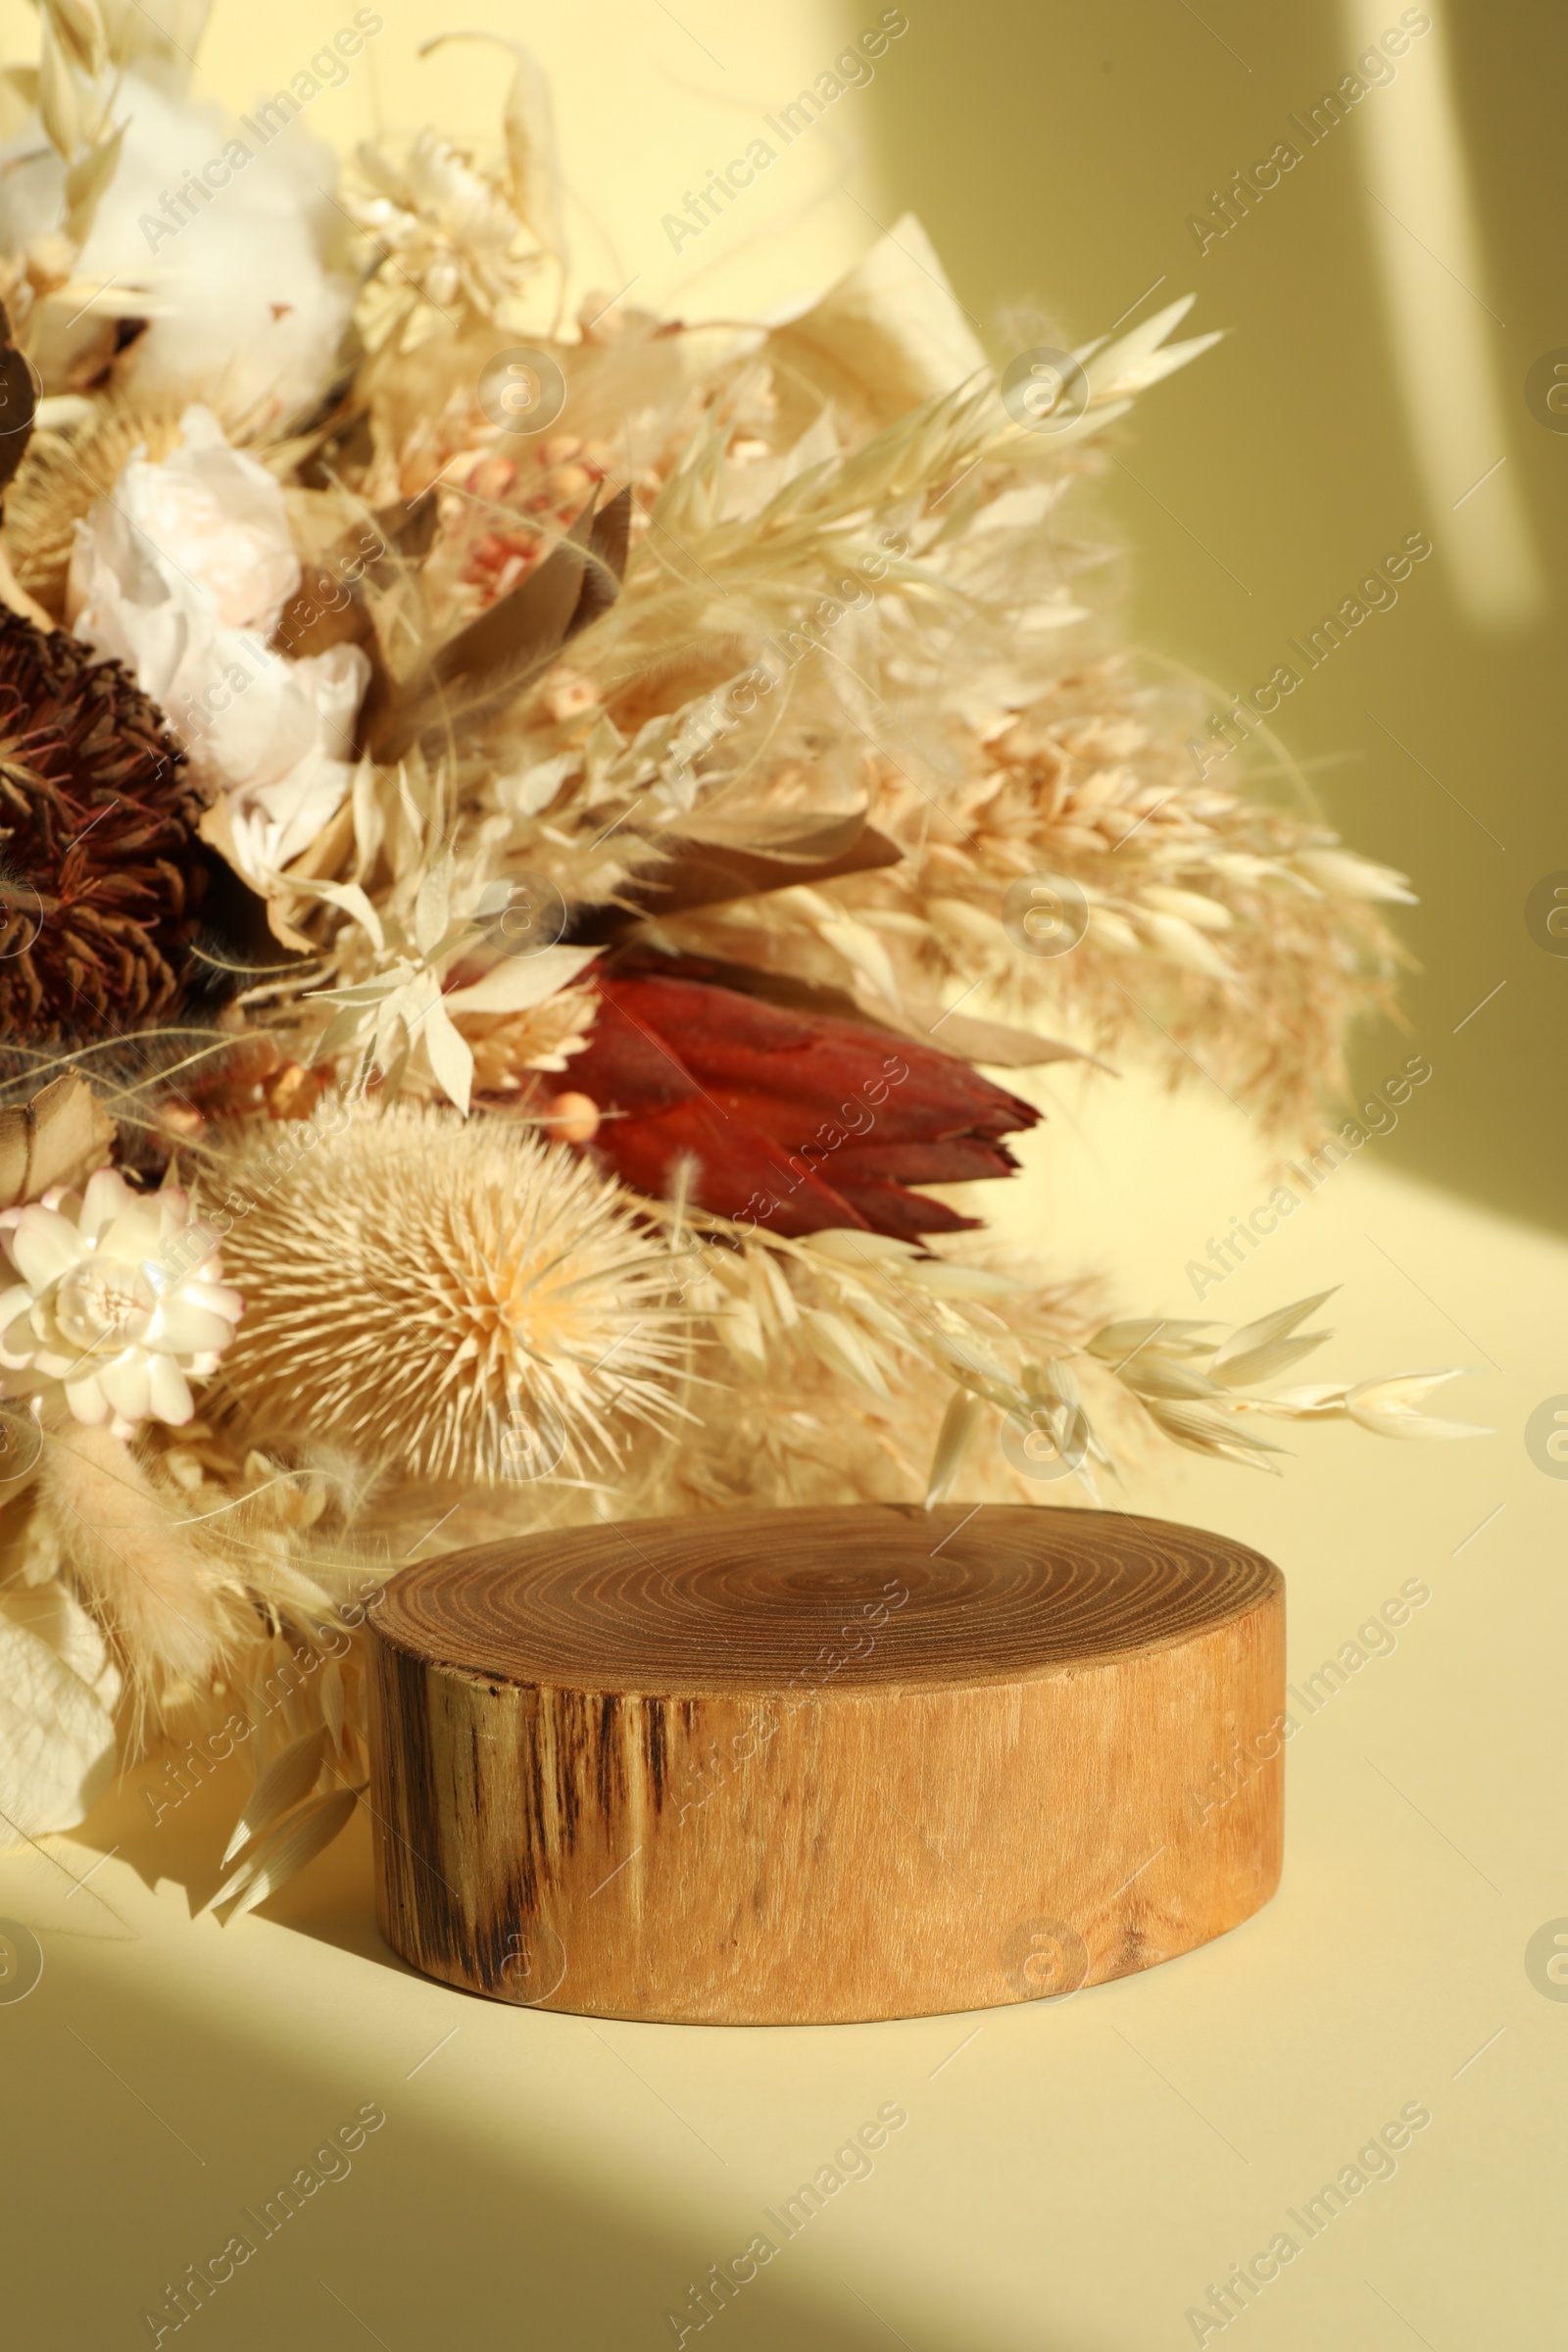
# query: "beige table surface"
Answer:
x=1072 y=2175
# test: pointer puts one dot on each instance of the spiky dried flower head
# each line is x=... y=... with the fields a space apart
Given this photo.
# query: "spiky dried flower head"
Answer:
x=100 y=877
x=455 y=1299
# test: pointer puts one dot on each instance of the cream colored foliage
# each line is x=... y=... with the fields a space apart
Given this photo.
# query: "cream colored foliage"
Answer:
x=59 y=1687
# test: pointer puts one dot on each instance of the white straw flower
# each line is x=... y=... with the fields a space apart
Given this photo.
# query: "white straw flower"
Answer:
x=449 y=226
x=113 y=1308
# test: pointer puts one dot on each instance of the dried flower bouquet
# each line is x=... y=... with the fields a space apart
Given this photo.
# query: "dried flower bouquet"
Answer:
x=507 y=831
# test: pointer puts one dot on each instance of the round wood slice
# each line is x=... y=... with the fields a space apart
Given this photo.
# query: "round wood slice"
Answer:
x=792 y=1767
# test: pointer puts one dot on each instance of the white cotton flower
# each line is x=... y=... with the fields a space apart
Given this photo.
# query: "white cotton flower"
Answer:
x=246 y=296
x=120 y=1303
x=182 y=576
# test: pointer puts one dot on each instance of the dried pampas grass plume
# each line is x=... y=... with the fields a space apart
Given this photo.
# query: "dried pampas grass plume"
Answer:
x=458 y=1300
x=163 y=1598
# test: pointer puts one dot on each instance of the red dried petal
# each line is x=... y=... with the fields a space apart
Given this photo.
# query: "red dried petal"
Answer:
x=791 y=1119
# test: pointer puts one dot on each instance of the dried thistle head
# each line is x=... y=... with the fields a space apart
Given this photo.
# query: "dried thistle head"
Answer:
x=100 y=877
x=456 y=1298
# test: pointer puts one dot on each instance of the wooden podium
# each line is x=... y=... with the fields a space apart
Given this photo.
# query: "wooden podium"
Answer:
x=803 y=1767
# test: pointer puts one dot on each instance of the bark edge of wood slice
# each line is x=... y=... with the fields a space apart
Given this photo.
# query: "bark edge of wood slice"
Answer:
x=824 y=1765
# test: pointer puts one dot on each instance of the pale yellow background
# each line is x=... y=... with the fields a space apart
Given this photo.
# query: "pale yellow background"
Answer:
x=1073 y=2176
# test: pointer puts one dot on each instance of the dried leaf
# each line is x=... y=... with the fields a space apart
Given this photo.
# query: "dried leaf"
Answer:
x=58 y=103
x=1267 y=1362
x=759 y=1262
x=519 y=982
x=169 y=30
x=289 y=1778
x=700 y=873
x=963 y=1416
x=60 y=1137
x=451 y=1055
x=58 y=1691
x=998 y=1043
x=1116 y=1340
x=1184 y=944
x=80 y=26
x=740 y=1327
x=1203 y=1429
x=610 y=540
x=849 y=1247
x=1268 y=1327
x=284 y=1850
x=512 y=643
x=891 y=333
x=1135 y=363
x=843 y=1350
x=1150 y=1374
x=529 y=125
x=946 y=1278
x=1390 y=1406
x=431 y=907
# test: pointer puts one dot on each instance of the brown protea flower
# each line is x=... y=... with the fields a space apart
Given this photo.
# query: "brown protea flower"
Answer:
x=100 y=875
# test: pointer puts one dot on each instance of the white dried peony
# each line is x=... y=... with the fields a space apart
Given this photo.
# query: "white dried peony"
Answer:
x=182 y=576
x=114 y=1310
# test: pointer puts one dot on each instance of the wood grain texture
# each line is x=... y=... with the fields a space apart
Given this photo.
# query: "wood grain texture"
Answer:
x=810 y=1766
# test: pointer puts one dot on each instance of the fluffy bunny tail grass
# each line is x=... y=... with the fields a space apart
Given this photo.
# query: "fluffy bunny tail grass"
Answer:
x=145 y=1576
